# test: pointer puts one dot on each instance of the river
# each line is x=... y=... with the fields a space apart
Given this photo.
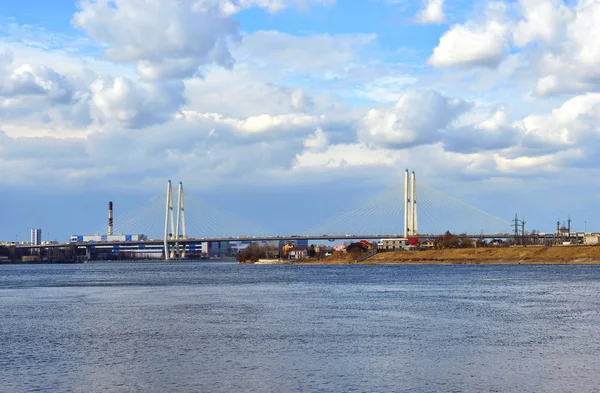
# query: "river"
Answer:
x=223 y=327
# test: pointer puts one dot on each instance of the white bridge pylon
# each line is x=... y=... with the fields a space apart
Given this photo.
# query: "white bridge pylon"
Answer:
x=178 y=250
x=411 y=223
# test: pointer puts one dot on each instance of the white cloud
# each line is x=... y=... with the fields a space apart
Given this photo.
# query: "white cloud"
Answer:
x=576 y=122
x=417 y=118
x=29 y=91
x=136 y=104
x=482 y=43
x=164 y=39
x=432 y=13
x=343 y=155
x=542 y=20
x=170 y=39
x=316 y=142
x=492 y=133
x=558 y=43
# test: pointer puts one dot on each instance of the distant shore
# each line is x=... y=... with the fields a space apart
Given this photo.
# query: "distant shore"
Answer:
x=532 y=255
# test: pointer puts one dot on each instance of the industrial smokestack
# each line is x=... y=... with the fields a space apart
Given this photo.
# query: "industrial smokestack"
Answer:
x=110 y=218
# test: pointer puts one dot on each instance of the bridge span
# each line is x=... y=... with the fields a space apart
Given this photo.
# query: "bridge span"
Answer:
x=187 y=241
x=396 y=213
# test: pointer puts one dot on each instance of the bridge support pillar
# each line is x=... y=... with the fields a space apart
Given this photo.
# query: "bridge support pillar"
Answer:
x=173 y=235
x=410 y=205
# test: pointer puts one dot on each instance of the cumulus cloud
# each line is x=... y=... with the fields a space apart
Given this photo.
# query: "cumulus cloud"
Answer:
x=542 y=20
x=37 y=90
x=26 y=80
x=418 y=117
x=300 y=101
x=170 y=39
x=135 y=104
x=432 y=13
x=480 y=43
x=317 y=141
x=574 y=123
x=558 y=41
x=37 y=80
x=164 y=39
x=493 y=133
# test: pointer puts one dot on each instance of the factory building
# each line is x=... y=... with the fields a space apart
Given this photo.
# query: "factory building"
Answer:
x=106 y=238
x=219 y=249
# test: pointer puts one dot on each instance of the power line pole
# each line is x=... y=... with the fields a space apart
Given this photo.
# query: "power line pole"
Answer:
x=519 y=225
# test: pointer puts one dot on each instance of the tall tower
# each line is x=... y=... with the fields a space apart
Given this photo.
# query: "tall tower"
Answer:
x=172 y=233
x=406 y=205
x=410 y=205
x=110 y=218
x=168 y=212
x=415 y=222
x=180 y=221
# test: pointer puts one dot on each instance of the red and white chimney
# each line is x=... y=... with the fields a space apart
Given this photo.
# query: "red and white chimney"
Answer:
x=110 y=218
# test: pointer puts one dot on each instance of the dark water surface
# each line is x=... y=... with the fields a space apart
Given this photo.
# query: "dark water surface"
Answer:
x=222 y=327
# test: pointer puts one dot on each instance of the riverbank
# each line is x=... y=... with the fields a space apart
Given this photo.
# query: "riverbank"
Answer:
x=574 y=255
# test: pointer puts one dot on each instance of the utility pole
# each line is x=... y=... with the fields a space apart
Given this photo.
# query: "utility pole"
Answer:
x=523 y=229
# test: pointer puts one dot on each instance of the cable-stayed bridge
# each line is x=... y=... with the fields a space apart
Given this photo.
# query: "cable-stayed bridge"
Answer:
x=381 y=215
x=404 y=210
x=397 y=212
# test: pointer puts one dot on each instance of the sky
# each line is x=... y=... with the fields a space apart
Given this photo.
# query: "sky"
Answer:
x=288 y=111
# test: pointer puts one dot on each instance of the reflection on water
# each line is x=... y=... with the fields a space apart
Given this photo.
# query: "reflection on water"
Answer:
x=223 y=327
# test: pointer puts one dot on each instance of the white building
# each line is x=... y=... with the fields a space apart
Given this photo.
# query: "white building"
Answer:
x=36 y=236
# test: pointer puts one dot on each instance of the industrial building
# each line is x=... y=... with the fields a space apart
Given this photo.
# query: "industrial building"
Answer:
x=106 y=238
x=219 y=249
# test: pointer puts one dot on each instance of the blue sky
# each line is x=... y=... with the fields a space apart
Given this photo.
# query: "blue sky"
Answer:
x=286 y=111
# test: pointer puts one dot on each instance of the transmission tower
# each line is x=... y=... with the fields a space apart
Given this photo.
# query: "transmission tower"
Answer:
x=519 y=225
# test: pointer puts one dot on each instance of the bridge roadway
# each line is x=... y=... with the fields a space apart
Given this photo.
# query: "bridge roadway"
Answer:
x=160 y=242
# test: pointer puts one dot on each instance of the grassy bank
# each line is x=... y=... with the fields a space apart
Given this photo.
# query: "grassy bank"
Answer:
x=509 y=255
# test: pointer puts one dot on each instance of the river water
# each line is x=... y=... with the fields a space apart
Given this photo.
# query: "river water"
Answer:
x=223 y=327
